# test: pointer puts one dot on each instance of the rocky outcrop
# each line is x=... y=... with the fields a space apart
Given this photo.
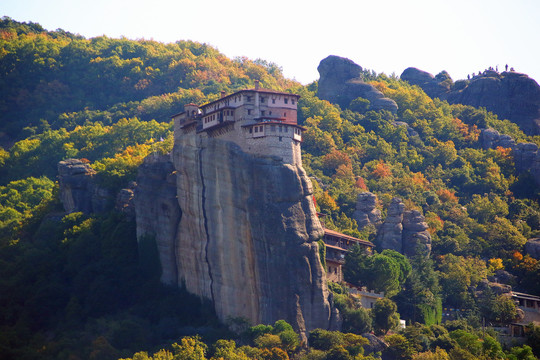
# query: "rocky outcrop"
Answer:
x=416 y=239
x=238 y=230
x=526 y=155
x=434 y=87
x=78 y=189
x=510 y=95
x=157 y=211
x=533 y=247
x=341 y=82
x=375 y=344
x=75 y=180
x=366 y=212
x=491 y=139
x=125 y=200
x=390 y=232
x=404 y=231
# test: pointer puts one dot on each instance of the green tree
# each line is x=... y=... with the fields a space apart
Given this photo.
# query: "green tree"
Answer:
x=385 y=316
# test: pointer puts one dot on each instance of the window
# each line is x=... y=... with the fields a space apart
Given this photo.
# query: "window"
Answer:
x=269 y=113
x=286 y=100
x=280 y=128
x=261 y=128
x=262 y=112
x=284 y=114
x=273 y=128
x=280 y=138
x=250 y=130
x=273 y=101
x=256 y=129
x=292 y=101
x=286 y=128
x=249 y=111
x=249 y=98
x=262 y=99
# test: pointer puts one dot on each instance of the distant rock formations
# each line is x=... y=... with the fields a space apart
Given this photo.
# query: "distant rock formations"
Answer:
x=403 y=230
x=341 y=82
x=432 y=86
x=510 y=95
x=526 y=155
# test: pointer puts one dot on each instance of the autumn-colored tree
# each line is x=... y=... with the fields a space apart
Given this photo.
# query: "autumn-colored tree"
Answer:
x=382 y=170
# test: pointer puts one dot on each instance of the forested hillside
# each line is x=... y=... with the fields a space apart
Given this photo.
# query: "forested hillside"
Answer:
x=72 y=286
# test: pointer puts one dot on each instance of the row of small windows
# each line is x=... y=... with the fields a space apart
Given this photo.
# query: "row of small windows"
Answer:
x=209 y=118
x=280 y=128
x=262 y=99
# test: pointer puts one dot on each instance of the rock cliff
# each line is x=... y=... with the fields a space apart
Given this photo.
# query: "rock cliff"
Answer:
x=366 y=212
x=404 y=231
x=78 y=190
x=416 y=239
x=390 y=232
x=157 y=211
x=238 y=230
x=341 y=82
x=510 y=95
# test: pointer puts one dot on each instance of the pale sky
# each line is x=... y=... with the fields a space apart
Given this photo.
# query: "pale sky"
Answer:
x=459 y=36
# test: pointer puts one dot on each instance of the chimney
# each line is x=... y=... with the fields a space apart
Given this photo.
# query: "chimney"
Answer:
x=222 y=94
x=256 y=84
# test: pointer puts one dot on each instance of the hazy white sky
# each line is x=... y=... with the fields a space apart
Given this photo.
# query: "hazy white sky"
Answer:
x=459 y=36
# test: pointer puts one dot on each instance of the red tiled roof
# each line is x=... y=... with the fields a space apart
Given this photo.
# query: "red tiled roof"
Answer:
x=335 y=247
x=264 y=91
x=347 y=237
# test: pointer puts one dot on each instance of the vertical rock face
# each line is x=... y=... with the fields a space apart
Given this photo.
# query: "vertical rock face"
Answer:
x=416 y=238
x=157 y=211
x=247 y=237
x=404 y=231
x=366 y=212
x=75 y=180
x=238 y=230
x=389 y=234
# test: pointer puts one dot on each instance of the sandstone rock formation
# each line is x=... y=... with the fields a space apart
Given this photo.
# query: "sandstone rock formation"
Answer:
x=238 y=230
x=390 y=232
x=125 y=200
x=75 y=180
x=157 y=211
x=366 y=212
x=433 y=87
x=341 y=82
x=404 y=231
x=533 y=247
x=510 y=95
x=491 y=139
x=78 y=190
x=526 y=155
x=416 y=239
